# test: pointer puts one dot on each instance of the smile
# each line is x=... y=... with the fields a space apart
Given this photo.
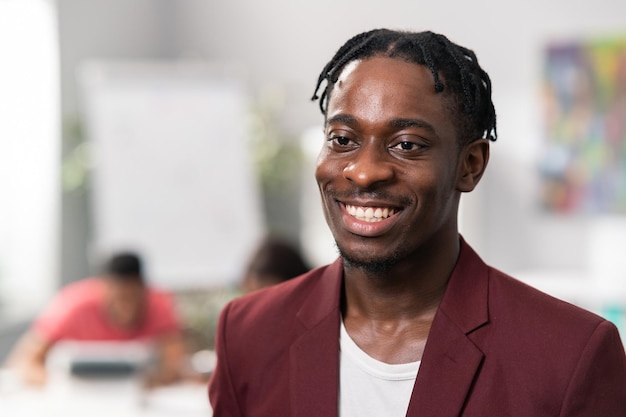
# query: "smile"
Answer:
x=370 y=214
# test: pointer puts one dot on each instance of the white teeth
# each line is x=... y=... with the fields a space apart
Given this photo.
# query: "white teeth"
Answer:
x=370 y=214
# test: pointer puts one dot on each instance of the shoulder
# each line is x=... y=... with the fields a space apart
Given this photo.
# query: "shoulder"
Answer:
x=532 y=323
x=276 y=301
x=255 y=331
x=522 y=300
x=83 y=292
x=159 y=295
x=281 y=310
x=512 y=301
x=557 y=345
x=71 y=305
x=162 y=305
x=84 y=285
x=518 y=315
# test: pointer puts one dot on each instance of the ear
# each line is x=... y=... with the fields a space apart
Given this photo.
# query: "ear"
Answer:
x=473 y=160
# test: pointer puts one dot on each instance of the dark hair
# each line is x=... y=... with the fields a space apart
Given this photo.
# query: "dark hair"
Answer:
x=278 y=258
x=455 y=71
x=124 y=266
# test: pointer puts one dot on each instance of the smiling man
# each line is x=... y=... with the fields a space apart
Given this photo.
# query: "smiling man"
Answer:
x=409 y=321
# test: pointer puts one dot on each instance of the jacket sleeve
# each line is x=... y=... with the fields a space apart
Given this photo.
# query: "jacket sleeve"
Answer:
x=222 y=395
x=598 y=384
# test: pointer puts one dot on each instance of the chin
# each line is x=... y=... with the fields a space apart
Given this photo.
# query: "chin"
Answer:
x=371 y=264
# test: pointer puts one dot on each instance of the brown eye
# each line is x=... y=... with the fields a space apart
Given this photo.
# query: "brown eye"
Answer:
x=406 y=146
x=340 y=140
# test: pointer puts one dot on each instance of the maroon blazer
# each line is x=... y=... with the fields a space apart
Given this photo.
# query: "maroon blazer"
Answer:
x=497 y=348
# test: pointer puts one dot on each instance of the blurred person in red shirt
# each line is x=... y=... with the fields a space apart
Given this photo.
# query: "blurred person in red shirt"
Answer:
x=116 y=306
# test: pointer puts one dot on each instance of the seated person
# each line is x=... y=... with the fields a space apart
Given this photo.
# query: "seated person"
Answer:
x=275 y=260
x=116 y=306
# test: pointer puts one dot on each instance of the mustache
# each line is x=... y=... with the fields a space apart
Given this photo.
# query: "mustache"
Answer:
x=382 y=195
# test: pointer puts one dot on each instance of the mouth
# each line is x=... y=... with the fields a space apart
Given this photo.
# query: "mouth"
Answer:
x=370 y=214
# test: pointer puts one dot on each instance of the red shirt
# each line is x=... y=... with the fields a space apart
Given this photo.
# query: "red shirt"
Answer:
x=78 y=312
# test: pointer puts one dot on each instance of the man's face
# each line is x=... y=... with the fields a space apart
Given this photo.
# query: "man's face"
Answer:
x=125 y=302
x=388 y=170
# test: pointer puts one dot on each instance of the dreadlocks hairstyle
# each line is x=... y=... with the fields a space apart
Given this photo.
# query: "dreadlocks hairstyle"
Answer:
x=455 y=72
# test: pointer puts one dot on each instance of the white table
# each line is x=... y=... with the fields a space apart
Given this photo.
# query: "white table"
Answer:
x=64 y=396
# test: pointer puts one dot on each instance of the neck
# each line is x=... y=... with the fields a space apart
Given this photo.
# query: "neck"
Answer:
x=411 y=288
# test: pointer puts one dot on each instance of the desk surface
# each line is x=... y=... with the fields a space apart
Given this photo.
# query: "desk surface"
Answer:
x=120 y=397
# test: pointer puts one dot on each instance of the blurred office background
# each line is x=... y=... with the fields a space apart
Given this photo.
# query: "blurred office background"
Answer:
x=183 y=128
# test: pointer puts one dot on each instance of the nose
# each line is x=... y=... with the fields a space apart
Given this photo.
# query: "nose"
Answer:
x=368 y=168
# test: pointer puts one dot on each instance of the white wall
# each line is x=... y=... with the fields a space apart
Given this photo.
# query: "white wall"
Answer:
x=29 y=155
x=287 y=43
x=99 y=29
x=172 y=175
x=284 y=44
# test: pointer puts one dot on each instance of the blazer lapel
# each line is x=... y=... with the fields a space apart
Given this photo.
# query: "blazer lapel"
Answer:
x=452 y=356
x=314 y=357
x=445 y=375
x=451 y=359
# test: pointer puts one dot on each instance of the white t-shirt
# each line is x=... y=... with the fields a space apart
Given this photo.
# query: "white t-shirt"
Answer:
x=369 y=387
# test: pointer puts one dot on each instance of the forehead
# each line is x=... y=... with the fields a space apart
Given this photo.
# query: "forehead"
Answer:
x=121 y=285
x=381 y=88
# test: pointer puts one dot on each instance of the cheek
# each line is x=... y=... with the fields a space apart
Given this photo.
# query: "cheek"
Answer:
x=324 y=168
x=326 y=174
x=440 y=190
x=431 y=184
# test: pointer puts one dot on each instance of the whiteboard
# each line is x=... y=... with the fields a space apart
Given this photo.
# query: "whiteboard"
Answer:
x=171 y=172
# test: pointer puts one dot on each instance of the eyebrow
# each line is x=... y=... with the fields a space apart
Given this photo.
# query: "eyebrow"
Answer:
x=342 y=118
x=403 y=123
x=399 y=123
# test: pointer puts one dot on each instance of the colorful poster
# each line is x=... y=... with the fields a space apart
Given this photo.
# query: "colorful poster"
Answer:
x=583 y=168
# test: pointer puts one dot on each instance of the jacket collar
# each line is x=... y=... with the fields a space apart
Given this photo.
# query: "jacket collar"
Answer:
x=324 y=298
x=465 y=301
x=449 y=364
x=314 y=366
x=451 y=358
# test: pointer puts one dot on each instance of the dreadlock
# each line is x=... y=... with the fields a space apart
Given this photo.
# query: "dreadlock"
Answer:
x=468 y=86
